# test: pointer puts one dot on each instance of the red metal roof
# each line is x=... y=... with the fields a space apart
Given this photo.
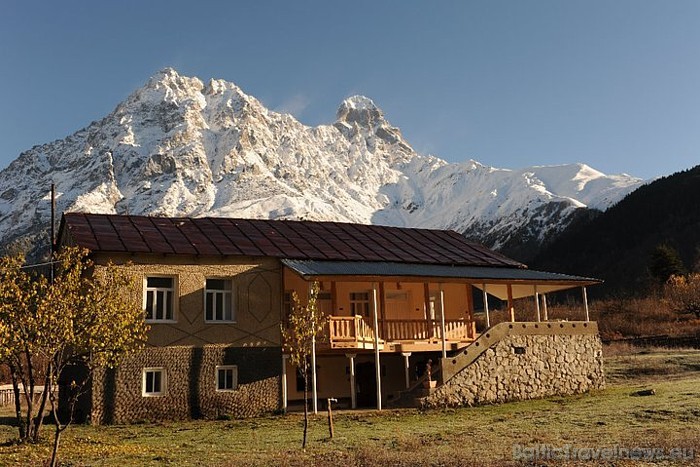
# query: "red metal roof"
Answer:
x=337 y=241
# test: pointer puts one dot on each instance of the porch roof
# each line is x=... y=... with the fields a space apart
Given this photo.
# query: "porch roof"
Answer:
x=497 y=279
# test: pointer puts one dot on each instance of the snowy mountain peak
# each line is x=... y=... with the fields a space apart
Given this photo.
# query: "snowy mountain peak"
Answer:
x=178 y=147
x=360 y=110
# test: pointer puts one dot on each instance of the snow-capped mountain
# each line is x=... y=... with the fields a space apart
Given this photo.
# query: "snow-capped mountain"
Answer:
x=179 y=147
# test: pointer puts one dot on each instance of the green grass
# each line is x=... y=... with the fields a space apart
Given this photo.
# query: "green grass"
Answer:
x=469 y=436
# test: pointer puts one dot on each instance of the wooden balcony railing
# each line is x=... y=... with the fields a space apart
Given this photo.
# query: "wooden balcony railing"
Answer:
x=350 y=331
x=421 y=329
x=354 y=332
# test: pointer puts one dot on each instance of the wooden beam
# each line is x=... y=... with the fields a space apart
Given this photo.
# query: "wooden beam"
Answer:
x=511 y=307
x=334 y=299
x=470 y=311
x=382 y=309
x=377 y=364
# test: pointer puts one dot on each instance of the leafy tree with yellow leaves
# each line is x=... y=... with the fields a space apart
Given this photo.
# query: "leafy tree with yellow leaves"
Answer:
x=304 y=326
x=81 y=318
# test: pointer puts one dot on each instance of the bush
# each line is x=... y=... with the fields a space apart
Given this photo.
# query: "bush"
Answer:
x=682 y=293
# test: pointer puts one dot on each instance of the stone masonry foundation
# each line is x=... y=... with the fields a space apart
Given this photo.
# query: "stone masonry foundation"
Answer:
x=191 y=385
x=521 y=367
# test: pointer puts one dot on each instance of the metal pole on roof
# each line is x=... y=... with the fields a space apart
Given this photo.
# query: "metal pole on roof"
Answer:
x=486 y=305
x=442 y=322
x=585 y=303
x=378 y=369
x=537 y=303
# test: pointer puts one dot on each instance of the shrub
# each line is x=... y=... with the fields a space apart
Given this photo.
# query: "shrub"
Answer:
x=682 y=293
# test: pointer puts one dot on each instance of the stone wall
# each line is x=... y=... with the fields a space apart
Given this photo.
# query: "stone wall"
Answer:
x=191 y=385
x=521 y=367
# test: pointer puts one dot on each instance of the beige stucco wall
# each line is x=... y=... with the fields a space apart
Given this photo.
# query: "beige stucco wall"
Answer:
x=257 y=298
x=455 y=294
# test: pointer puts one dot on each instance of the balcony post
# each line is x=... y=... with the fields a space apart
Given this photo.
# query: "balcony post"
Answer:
x=486 y=305
x=537 y=303
x=585 y=303
x=442 y=322
x=378 y=369
x=284 y=383
x=470 y=311
x=313 y=364
x=353 y=384
x=407 y=368
x=544 y=307
x=313 y=374
x=511 y=308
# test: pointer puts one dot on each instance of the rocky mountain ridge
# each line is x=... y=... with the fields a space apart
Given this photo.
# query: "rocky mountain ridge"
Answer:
x=180 y=147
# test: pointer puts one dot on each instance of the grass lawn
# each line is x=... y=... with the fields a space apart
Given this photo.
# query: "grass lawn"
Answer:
x=471 y=436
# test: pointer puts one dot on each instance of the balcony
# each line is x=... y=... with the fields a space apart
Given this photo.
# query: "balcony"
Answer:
x=352 y=332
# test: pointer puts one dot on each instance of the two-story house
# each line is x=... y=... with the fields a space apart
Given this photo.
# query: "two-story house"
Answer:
x=215 y=292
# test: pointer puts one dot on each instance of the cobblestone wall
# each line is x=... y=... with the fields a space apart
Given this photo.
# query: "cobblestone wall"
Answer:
x=191 y=385
x=525 y=367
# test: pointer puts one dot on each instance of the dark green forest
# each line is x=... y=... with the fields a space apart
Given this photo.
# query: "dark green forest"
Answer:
x=630 y=244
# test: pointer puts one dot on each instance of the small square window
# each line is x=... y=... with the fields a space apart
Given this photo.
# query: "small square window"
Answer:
x=226 y=377
x=218 y=301
x=154 y=382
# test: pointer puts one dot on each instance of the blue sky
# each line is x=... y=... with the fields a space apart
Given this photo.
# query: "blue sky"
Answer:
x=614 y=84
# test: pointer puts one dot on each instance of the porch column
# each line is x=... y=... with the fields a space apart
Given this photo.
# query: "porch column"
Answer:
x=511 y=308
x=382 y=309
x=353 y=384
x=470 y=312
x=313 y=364
x=313 y=374
x=537 y=303
x=377 y=365
x=486 y=305
x=585 y=303
x=428 y=317
x=407 y=368
x=544 y=307
x=442 y=322
x=284 y=383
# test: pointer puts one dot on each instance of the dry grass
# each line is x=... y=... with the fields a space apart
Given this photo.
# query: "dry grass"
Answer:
x=617 y=318
x=471 y=436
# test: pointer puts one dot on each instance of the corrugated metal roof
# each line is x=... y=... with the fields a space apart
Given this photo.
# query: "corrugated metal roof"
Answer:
x=302 y=240
x=310 y=269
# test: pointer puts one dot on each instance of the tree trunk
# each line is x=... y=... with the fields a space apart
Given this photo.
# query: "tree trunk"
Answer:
x=39 y=420
x=56 y=440
x=18 y=405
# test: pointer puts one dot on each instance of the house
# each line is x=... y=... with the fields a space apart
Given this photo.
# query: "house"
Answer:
x=215 y=292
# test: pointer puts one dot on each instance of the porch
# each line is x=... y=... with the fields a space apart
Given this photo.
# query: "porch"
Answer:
x=410 y=312
x=396 y=335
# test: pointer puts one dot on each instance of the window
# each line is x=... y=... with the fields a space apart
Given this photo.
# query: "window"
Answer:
x=154 y=382
x=218 y=300
x=359 y=304
x=226 y=377
x=159 y=303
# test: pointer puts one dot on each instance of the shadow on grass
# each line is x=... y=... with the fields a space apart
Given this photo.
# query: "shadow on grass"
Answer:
x=8 y=421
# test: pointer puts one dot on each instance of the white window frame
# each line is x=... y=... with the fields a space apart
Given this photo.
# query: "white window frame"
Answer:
x=354 y=303
x=163 y=382
x=234 y=369
x=217 y=294
x=155 y=290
